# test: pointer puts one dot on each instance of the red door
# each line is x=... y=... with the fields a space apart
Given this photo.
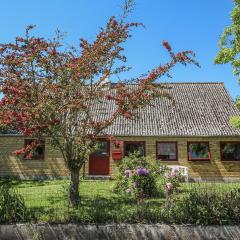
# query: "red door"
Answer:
x=99 y=160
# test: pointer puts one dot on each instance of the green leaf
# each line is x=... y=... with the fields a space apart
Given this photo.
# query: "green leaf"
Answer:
x=235 y=121
x=225 y=55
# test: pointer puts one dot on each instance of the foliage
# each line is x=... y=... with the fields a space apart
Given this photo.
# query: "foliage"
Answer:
x=230 y=42
x=101 y=205
x=204 y=207
x=134 y=160
x=12 y=206
x=235 y=121
x=172 y=181
x=230 y=50
x=137 y=176
x=237 y=101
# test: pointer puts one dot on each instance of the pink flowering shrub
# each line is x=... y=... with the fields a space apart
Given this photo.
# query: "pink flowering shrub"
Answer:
x=172 y=181
x=128 y=173
x=137 y=177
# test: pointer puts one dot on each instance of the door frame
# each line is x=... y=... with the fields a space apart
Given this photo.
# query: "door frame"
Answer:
x=109 y=156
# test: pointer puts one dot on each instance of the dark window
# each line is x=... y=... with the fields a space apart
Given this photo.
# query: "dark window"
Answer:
x=198 y=151
x=102 y=149
x=230 y=151
x=167 y=151
x=38 y=152
x=131 y=147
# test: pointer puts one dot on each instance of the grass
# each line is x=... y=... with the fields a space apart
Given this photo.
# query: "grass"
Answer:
x=48 y=201
x=98 y=202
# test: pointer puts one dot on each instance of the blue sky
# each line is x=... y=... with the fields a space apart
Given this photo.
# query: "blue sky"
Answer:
x=186 y=24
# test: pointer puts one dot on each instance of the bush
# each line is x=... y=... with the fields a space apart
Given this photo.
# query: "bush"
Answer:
x=12 y=206
x=206 y=207
x=172 y=181
x=137 y=177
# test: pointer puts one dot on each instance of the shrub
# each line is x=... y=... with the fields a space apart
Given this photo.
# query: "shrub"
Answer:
x=12 y=206
x=137 y=177
x=206 y=207
x=172 y=181
x=135 y=160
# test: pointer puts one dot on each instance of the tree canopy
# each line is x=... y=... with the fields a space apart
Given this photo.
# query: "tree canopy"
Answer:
x=50 y=91
x=230 y=50
x=230 y=42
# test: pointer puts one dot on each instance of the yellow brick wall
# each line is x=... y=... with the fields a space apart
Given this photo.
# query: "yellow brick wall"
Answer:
x=10 y=165
x=214 y=169
x=53 y=165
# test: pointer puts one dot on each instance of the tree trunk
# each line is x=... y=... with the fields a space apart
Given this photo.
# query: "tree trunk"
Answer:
x=74 y=188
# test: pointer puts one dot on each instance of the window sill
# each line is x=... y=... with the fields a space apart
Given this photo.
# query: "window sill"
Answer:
x=225 y=161
x=199 y=160
x=167 y=160
x=33 y=159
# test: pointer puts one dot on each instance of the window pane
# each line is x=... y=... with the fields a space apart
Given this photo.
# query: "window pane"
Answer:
x=230 y=151
x=166 y=151
x=38 y=152
x=131 y=147
x=198 y=151
x=102 y=149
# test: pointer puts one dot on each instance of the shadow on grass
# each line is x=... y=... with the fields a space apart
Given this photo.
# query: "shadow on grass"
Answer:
x=115 y=210
x=51 y=204
x=100 y=210
x=25 y=183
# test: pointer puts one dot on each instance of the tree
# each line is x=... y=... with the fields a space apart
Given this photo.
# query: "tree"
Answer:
x=53 y=93
x=230 y=42
x=230 y=50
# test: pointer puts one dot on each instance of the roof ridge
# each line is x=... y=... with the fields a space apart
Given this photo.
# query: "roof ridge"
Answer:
x=160 y=83
x=192 y=83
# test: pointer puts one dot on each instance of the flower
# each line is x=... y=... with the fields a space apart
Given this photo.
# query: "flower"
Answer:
x=167 y=45
x=135 y=184
x=109 y=97
x=142 y=171
x=166 y=175
x=168 y=186
x=128 y=173
x=127 y=114
x=18 y=152
x=29 y=156
x=128 y=190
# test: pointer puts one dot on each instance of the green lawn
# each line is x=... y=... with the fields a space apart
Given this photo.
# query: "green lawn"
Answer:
x=48 y=201
x=98 y=202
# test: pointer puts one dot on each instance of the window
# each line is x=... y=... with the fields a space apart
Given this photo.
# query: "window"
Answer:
x=230 y=151
x=102 y=149
x=198 y=151
x=167 y=151
x=38 y=152
x=131 y=147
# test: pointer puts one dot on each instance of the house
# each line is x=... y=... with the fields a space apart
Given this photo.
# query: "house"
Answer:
x=193 y=131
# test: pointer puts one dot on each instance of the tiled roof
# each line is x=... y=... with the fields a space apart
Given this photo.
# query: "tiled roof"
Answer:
x=199 y=109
